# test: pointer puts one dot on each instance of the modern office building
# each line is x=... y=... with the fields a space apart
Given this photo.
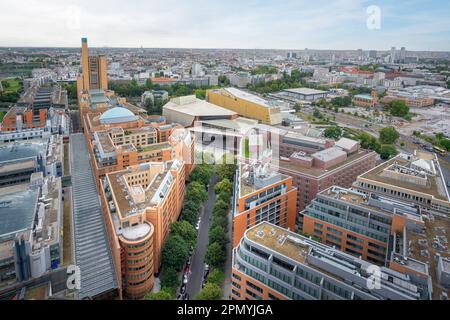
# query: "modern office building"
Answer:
x=306 y=94
x=39 y=107
x=414 y=178
x=189 y=109
x=320 y=164
x=117 y=139
x=262 y=194
x=19 y=160
x=359 y=224
x=94 y=71
x=30 y=229
x=140 y=203
x=272 y=263
x=246 y=105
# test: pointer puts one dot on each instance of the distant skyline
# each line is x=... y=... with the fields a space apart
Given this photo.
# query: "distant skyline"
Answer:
x=241 y=24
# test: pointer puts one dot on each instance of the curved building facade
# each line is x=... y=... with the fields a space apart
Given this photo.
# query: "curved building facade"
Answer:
x=137 y=250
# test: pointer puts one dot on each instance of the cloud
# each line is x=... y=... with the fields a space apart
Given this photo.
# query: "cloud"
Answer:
x=289 y=24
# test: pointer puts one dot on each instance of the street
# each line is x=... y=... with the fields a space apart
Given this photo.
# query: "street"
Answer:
x=194 y=285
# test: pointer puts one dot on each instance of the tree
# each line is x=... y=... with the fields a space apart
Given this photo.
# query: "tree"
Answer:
x=333 y=132
x=216 y=277
x=224 y=196
x=217 y=234
x=387 y=151
x=224 y=186
x=169 y=278
x=185 y=230
x=202 y=174
x=210 y=292
x=175 y=252
x=161 y=295
x=196 y=191
x=389 y=135
x=398 y=108
x=215 y=255
x=220 y=221
x=222 y=205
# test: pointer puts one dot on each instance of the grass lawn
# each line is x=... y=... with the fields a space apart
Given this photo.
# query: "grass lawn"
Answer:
x=11 y=85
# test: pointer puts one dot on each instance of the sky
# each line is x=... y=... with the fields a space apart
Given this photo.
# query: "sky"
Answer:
x=248 y=24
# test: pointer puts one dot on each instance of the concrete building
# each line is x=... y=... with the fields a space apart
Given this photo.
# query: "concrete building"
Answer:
x=246 y=105
x=153 y=96
x=30 y=229
x=412 y=178
x=140 y=204
x=306 y=94
x=358 y=224
x=272 y=263
x=39 y=107
x=262 y=194
x=317 y=164
x=20 y=160
x=189 y=109
x=118 y=139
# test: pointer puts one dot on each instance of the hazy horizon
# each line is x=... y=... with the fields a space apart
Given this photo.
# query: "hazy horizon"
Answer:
x=251 y=24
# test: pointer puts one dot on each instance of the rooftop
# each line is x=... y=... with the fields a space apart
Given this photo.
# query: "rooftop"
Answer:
x=196 y=107
x=117 y=115
x=17 y=208
x=306 y=91
x=287 y=166
x=433 y=184
x=249 y=97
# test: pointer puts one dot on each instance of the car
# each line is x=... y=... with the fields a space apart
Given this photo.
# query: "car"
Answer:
x=185 y=280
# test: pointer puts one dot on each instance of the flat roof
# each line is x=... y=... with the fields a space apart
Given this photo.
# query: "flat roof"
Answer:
x=432 y=187
x=196 y=107
x=249 y=97
x=21 y=150
x=306 y=91
x=17 y=208
x=317 y=172
x=329 y=154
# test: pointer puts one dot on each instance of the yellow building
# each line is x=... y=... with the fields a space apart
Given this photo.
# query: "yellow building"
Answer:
x=246 y=105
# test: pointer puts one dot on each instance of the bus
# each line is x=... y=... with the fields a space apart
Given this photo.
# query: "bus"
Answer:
x=441 y=151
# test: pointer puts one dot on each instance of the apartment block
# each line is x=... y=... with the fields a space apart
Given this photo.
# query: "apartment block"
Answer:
x=272 y=263
x=117 y=139
x=262 y=194
x=140 y=203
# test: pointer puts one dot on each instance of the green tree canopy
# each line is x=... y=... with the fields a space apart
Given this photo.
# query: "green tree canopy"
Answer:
x=224 y=186
x=389 y=135
x=161 y=295
x=169 y=278
x=387 y=151
x=398 y=108
x=215 y=255
x=186 y=231
x=210 y=292
x=217 y=234
x=216 y=277
x=175 y=252
x=333 y=133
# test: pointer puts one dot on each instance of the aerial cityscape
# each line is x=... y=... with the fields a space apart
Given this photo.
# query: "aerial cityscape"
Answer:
x=219 y=164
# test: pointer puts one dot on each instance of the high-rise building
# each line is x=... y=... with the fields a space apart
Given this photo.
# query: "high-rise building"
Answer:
x=140 y=204
x=94 y=71
x=393 y=55
x=272 y=263
x=262 y=194
x=358 y=224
